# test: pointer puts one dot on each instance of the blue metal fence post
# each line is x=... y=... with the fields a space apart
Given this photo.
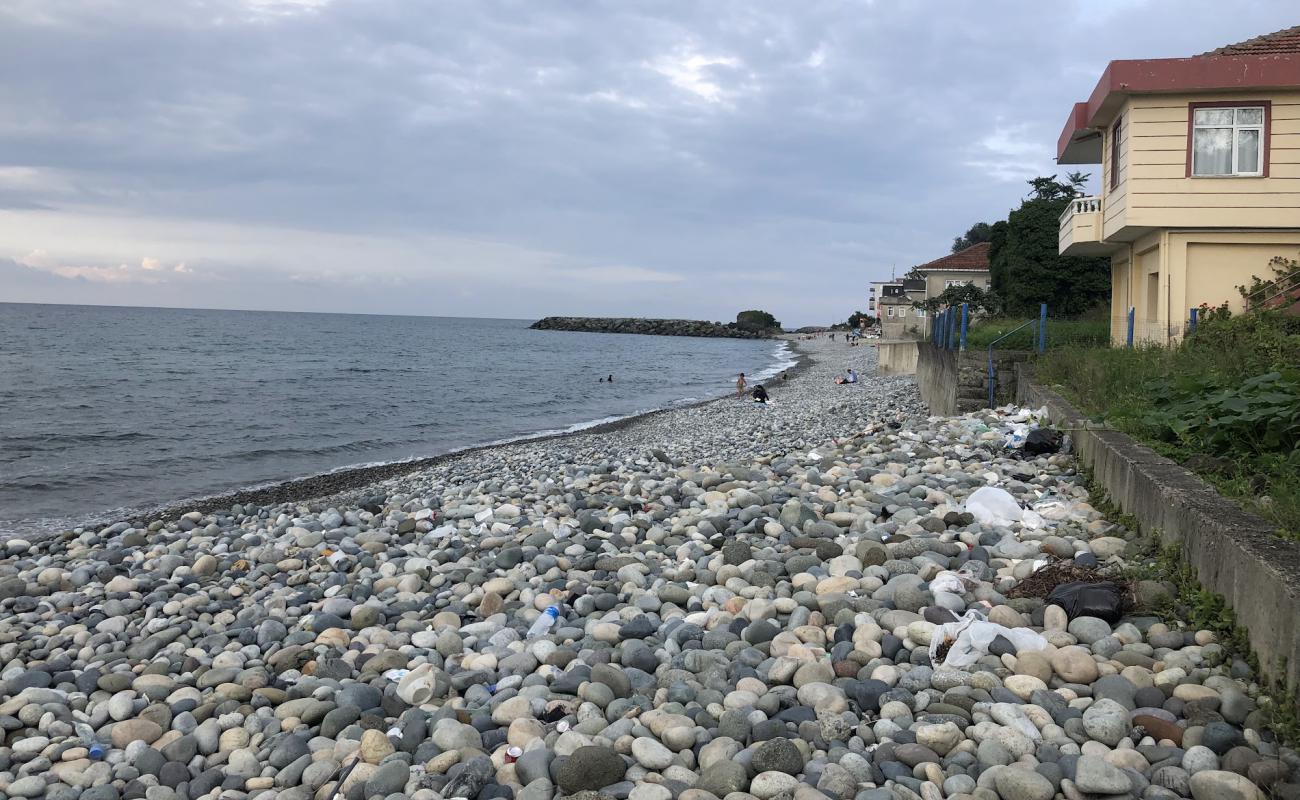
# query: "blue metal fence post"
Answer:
x=1042 y=327
x=965 y=319
x=952 y=328
x=1192 y=321
x=1131 y=309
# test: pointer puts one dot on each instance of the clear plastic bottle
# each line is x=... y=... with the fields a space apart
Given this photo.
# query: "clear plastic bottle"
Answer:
x=544 y=622
x=87 y=736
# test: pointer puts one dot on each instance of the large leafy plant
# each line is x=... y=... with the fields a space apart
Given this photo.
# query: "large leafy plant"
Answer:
x=1257 y=416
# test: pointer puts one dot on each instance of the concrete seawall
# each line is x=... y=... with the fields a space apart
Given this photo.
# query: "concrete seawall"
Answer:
x=1234 y=553
x=954 y=382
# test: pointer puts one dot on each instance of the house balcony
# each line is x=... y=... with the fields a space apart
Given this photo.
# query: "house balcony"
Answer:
x=1080 y=233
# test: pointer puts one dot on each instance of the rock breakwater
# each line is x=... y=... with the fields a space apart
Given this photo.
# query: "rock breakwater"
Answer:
x=746 y=602
x=654 y=327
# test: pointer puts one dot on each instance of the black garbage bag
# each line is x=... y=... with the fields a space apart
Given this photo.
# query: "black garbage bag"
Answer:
x=1042 y=441
x=1103 y=600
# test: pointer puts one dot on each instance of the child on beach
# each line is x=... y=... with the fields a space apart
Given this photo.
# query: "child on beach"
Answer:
x=740 y=385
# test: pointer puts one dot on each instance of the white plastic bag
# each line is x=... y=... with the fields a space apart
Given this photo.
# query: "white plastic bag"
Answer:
x=993 y=506
x=971 y=636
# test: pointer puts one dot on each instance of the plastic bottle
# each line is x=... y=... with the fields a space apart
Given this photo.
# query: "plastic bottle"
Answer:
x=87 y=735
x=544 y=622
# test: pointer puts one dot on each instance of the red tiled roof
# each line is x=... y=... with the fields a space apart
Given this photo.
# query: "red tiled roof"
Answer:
x=973 y=259
x=1283 y=41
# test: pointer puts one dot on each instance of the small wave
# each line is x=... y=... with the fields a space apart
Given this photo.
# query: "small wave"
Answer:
x=785 y=359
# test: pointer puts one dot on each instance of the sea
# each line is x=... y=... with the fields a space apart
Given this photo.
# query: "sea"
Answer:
x=107 y=411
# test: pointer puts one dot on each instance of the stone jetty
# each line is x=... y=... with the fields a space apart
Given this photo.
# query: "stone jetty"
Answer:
x=747 y=599
x=654 y=327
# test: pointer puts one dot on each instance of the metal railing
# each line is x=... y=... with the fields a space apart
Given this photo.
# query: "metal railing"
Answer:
x=1040 y=341
x=1278 y=293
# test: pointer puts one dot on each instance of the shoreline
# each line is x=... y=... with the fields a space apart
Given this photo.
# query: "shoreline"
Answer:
x=349 y=479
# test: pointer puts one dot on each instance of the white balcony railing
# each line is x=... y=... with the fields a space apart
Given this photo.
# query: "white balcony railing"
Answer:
x=1080 y=205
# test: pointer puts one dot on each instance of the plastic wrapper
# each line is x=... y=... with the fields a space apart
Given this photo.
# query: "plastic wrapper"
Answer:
x=957 y=582
x=962 y=643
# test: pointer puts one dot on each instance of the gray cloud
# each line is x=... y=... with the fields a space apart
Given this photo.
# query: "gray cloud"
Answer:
x=518 y=159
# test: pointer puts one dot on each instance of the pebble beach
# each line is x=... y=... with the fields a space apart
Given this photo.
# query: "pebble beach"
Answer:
x=747 y=604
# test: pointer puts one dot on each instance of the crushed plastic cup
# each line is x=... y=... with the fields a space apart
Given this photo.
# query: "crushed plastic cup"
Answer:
x=483 y=516
x=396 y=674
x=513 y=753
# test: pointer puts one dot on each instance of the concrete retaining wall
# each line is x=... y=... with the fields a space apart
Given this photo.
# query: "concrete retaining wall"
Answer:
x=957 y=383
x=1234 y=553
x=897 y=357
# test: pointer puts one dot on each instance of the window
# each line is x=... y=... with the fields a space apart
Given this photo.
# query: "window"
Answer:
x=902 y=311
x=1114 y=154
x=920 y=312
x=1228 y=140
x=950 y=284
x=891 y=311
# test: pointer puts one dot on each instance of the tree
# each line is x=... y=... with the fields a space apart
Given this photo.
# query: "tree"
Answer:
x=1023 y=261
x=858 y=320
x=979 y=232
x=979 y=301
x=755 y=320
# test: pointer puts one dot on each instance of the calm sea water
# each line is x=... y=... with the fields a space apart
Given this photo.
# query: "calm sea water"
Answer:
x=110 y=409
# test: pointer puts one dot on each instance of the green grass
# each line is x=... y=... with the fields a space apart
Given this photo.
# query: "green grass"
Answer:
x=1141 y=390
x=1060 y=333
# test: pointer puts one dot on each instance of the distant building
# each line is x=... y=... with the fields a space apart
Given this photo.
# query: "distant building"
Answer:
x=1200 y=178
x=898 y=319
x=968 y=266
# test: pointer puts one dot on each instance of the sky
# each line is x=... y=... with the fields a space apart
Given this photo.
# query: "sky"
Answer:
x=520 y=159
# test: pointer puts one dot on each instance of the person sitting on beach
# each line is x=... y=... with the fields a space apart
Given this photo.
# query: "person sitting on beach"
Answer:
x=740 y=385
x=849 y=377
x=760 y=394
x=785 y=376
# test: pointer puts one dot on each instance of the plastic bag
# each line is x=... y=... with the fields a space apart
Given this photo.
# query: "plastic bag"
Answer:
x=968 y=639
x=1103 y=600
x=993 y=506
x=1042 y=441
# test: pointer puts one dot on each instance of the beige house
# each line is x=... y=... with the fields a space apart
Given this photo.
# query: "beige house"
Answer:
x=968 y=266
x=1200 y=177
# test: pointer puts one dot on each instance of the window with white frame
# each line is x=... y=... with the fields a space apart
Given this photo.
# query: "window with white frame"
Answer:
x=1228 y=141
x=891 y=311
x=902 y=311
x=920 y=312
x=950 y=284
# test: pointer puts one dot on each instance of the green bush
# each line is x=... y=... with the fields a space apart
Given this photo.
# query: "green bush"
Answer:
x=1225 y=403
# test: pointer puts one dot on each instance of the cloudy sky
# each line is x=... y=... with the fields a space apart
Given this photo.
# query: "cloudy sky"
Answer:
x=517 y=159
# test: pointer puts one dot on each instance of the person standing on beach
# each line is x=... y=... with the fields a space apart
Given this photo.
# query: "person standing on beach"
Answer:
x=740 y=385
